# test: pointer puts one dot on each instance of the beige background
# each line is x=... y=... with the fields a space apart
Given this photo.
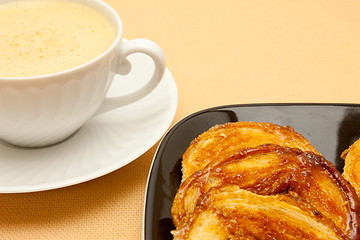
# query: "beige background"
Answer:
x=219 y=52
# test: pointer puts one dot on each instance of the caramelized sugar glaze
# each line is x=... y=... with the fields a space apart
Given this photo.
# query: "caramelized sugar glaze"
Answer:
x=223 y=140
x=270 y=217
x=265 y=192
x=352 y=165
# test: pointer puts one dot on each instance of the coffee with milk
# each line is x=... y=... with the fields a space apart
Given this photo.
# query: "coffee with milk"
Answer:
x=40 y=37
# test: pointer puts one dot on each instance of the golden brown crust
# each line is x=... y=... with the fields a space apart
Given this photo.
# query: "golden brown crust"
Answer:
x=269 y=170
x=229 y=212
x=352 y=165
x=222 y=140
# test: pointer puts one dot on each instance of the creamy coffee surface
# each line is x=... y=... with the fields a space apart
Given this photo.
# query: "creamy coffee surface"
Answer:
x=40 y=37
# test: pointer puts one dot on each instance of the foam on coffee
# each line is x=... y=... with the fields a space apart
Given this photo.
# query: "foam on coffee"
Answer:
x=46 y=36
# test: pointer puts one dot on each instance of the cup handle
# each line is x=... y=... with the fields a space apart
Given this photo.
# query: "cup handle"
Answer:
x=127 y=48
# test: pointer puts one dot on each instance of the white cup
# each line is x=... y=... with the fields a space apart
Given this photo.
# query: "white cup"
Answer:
x=44 y=110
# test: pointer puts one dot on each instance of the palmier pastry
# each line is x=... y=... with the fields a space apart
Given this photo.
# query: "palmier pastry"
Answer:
x=228 y=212
x=222 y=140
x=352 y=165
x=271 y=170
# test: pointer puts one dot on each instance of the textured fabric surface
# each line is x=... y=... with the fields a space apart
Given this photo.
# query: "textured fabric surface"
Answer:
x=219 y=52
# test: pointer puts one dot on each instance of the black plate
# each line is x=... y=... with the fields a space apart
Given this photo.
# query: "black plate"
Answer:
x=331 y=128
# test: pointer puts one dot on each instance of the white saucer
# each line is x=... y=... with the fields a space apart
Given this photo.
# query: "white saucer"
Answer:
x=106 y=143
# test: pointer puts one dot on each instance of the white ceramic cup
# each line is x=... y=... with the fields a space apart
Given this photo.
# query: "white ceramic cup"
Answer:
x=44 y=110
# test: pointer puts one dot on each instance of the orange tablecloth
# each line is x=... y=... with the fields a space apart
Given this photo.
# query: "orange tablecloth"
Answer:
x=219 y=52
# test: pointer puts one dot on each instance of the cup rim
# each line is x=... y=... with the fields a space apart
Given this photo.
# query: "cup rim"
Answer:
x=117 y=25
